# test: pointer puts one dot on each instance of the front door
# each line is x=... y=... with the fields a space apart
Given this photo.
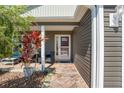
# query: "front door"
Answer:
x=62 y=47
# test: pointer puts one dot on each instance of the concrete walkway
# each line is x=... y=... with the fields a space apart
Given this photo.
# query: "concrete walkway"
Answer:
x=66 y=76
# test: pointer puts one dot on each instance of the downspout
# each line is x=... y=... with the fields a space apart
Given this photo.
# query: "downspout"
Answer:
x=94 y=47
x=97 y=44
x=122 y=50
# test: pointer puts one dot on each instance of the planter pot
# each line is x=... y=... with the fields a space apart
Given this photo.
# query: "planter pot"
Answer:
x=28 y=71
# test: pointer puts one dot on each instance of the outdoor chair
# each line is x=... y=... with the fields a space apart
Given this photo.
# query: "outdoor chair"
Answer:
x=15 y=58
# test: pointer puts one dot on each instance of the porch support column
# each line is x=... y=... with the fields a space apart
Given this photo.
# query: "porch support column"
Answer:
x=42 y=48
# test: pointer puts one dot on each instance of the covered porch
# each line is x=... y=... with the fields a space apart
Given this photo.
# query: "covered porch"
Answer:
x=68 y=29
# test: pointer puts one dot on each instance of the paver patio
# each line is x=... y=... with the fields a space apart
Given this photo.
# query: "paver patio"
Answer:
x=64 y=75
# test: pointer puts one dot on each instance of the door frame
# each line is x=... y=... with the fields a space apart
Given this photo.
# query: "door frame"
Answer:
x=69 y=44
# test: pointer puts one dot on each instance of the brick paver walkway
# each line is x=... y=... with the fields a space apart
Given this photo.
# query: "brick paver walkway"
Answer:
x=66 y=76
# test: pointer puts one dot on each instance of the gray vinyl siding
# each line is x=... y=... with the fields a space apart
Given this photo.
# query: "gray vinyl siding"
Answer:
x=49 y=45
x=82 y=47
x=112 y=51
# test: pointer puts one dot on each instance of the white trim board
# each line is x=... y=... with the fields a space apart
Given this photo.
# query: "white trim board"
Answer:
x=97 y=66
x=100 y=47
x=123 y=51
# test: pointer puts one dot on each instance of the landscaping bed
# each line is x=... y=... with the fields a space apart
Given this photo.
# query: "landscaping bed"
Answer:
x=17 y=80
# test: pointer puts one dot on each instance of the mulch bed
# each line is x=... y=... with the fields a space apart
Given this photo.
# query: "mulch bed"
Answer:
x=17 y=80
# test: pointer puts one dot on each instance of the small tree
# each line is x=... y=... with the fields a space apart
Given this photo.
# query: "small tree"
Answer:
x=11 y=26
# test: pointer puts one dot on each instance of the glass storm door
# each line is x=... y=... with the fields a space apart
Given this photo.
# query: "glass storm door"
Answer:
x=62 y=47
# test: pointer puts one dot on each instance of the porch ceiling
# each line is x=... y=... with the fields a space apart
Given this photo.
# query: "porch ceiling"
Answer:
x=57 y=17
x=57 y=13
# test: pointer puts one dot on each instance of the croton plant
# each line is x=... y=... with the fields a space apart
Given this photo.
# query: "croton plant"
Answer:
x=28 y=39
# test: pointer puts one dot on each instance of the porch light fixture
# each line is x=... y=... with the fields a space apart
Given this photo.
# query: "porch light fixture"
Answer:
x=114 y=18
x=120 y=10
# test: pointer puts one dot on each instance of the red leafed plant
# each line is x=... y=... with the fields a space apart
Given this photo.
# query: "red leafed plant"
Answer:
x=36 y=38
x=29 y=39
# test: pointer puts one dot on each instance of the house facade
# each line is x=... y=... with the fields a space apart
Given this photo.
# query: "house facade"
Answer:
x=83 y=35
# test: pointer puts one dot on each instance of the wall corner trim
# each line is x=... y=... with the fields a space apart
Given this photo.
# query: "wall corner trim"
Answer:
x=100 y=46
x=97 y=67
x=123 y=51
